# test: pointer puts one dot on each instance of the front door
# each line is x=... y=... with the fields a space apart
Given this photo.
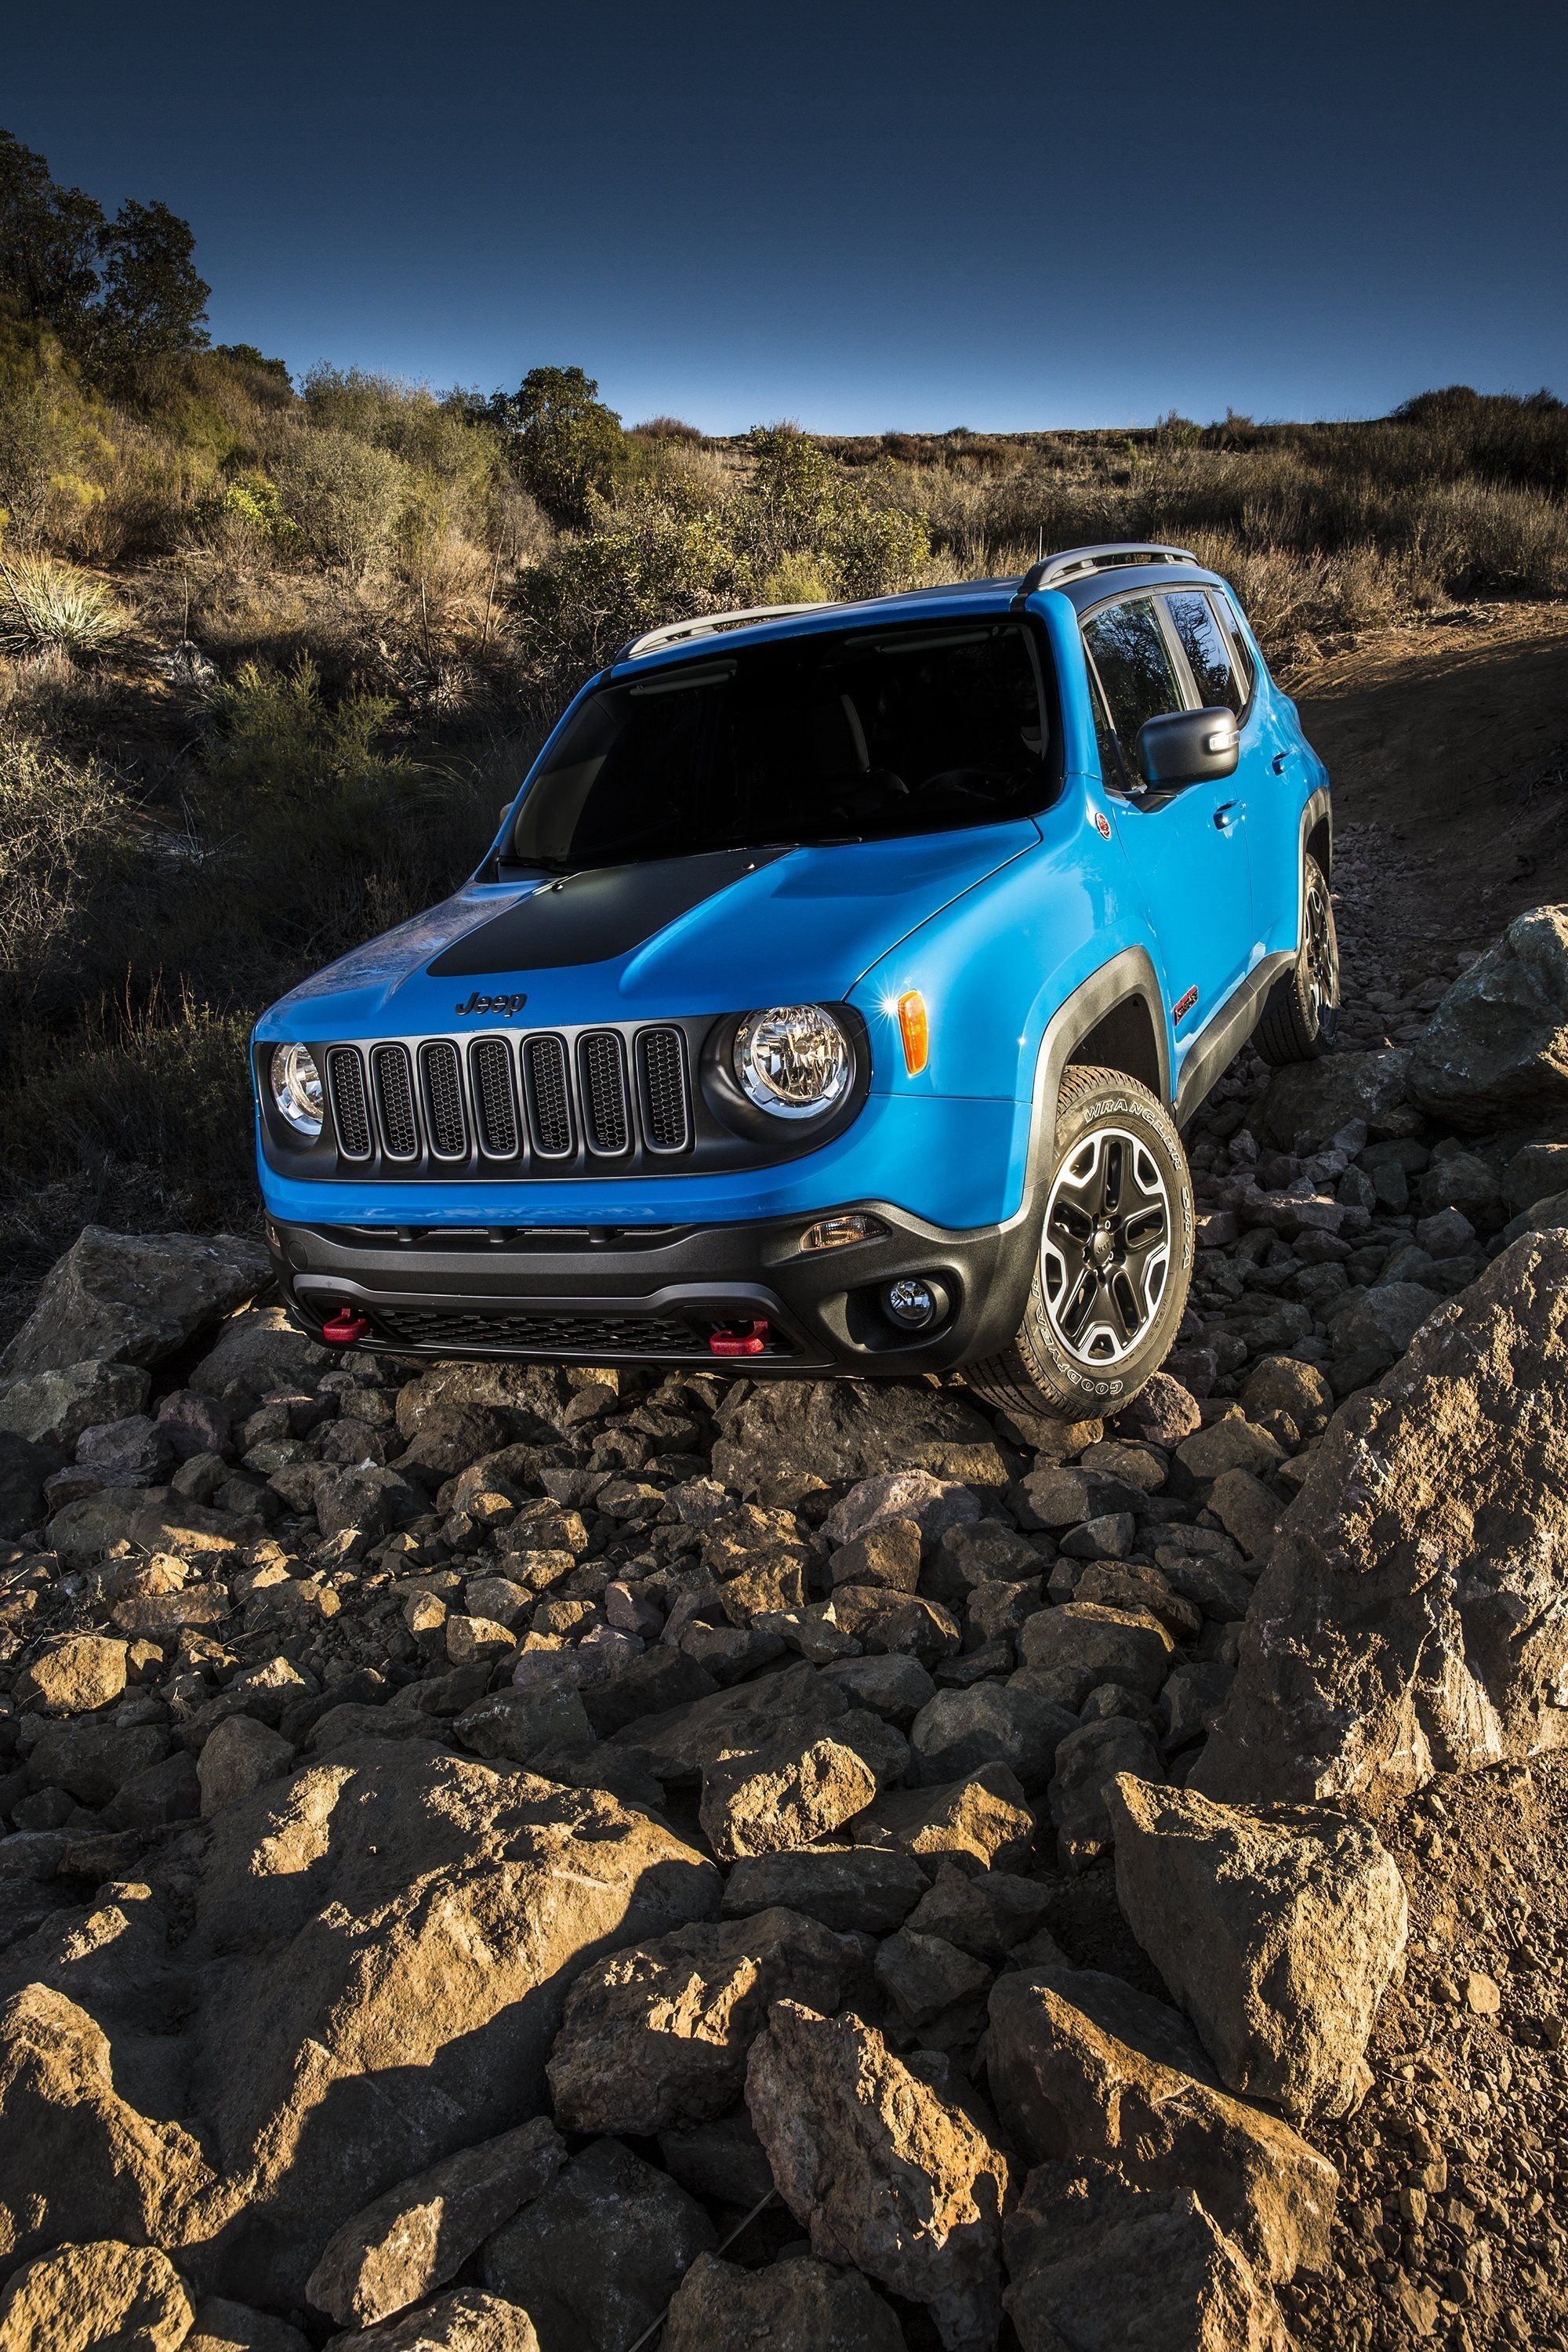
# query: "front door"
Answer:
x=1186 y=849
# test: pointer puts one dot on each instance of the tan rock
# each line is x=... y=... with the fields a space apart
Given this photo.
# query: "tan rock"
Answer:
x=103 y=2294
x=1082 y=2065
x=883 y=2174
x=655 y=2038
x=83 y=1672
x=466 y=2321
x=974 y=1822
x=800 y=1786
x=1412 y=1617
x=416 y=2237
x=237 y=1756
x=1277 y=1928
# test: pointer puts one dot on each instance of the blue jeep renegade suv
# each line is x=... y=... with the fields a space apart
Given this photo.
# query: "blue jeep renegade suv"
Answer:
x=829 y=1001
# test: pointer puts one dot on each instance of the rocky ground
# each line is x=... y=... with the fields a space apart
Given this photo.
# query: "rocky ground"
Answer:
x=497 y=1857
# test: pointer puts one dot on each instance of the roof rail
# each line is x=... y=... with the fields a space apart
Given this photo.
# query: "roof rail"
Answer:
x=1078 y=562
x=675 y=633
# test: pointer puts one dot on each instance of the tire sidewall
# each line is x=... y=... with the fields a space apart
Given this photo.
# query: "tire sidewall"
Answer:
x=1084 y=1393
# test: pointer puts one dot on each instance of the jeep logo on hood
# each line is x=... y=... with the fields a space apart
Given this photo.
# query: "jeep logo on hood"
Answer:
x=505 y=1005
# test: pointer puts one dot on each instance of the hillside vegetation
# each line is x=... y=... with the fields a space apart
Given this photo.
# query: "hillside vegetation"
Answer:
x=272 y=655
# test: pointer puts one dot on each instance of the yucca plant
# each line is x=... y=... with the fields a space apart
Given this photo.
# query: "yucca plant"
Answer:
x=43 y=602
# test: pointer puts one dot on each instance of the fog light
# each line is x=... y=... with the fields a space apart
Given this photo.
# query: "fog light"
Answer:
x=915 y=1302
x=833 y=1233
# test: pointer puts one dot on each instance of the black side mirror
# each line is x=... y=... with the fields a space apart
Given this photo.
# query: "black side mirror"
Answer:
x=1188 y=747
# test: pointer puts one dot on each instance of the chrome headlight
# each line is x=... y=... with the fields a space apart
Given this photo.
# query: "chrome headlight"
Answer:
x=794 y=1060
x=297 y=1089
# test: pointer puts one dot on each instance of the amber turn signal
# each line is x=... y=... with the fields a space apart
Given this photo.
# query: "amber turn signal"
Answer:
x=915 y=1030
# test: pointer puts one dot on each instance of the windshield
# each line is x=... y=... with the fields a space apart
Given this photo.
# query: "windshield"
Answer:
x=853 y=737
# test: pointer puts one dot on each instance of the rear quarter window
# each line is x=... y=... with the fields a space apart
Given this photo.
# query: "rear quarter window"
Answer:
x=1211 y=657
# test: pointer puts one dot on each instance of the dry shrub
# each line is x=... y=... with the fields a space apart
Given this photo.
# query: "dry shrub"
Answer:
x=46 y=603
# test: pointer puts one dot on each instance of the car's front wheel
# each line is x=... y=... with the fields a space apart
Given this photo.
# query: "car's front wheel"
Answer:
x=1115 y=1258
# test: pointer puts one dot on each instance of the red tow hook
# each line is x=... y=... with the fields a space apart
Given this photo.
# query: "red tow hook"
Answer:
x=345 y=1329
x=739 y=1339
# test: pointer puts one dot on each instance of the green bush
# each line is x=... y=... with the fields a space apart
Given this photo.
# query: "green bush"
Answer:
x=345 y=494
x=256 y=501
x=568 y=448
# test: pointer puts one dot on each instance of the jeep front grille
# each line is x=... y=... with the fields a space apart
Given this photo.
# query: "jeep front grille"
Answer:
x=541 y=1104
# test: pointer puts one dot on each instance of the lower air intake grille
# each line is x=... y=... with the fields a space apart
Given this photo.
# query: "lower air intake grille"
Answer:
x=351 y=1111
x=495 y=1097
x=661 y=1079
x=605 y=1092
x=590 y=1337
x=549 y=1097
x=394 y=1100
x=444 y=1100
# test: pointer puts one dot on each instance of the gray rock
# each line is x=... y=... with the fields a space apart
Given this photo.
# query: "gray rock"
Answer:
x=152 y=1519
x=1499 y=1040
x=1191 y=1698
x=1285 y=1384
x=156 y=1796
x=530 y=1727
x=935 y=1505
x=1541 y=1217
x=28 y=1485
x=655 y=2037
x=923 y=1976
x=237 y=1756
x=895 y=1688
x=134 y=1299
x=1405 y=1624
x=888 y=1553
x=990 y=1723
x=681 y=1740
x=259 y=1354
x=53 y=1408
x=1087 y=1763
x=415 y=2237
x=1277 y=1928
x=987 y=1913
x=722 y=2160
x=1063 y=1498
x=595 y=2261
x=1095 y=1645
x=1162 y=1412
x=796 y=2305
x=225 y=2326
x=848 y=1888
x=373 y=1500
x=1094 y=2262
x=1317 y=1098
x=882 y=2173
x=93 y=1757
x=1233 y=1444
x=784 y=1438
x=1247 y=1509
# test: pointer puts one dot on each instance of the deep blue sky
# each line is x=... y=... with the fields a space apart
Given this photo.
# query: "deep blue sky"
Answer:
x=1003 y=214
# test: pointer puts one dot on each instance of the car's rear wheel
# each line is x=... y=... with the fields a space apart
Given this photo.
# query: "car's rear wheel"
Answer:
x=1115 y=1258
x=1302 y=1018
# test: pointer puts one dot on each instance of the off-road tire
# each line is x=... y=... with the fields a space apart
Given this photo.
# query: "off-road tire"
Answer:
x=1041 y=1372
x=1302 y=1018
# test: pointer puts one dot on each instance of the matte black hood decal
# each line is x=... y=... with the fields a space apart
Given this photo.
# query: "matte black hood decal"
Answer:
x=594 y=916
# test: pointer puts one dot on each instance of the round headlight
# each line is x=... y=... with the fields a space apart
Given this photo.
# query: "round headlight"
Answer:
x=794 y=1060
x=297 y=1089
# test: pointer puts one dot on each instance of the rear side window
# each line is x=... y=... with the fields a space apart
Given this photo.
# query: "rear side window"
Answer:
x=1127 y=646
x=1245 y=666
x=1207 y=649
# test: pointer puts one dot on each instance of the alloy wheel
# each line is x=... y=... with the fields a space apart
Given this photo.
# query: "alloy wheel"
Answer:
x=1105 y=1248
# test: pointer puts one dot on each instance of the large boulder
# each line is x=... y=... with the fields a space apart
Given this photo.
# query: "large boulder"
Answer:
x=796 y=2305
x=1277 y=1928
x=350 y=1998
x=53 y=1408
x=655 y=2039
x=1099 y=2265
x=1316 y=1099
x=880 y=2171
x=802 y=1784
x=152 y=1519
x=134 y=1299
x=783 y=1438
x=257 y=1353
x=1413 y=1617
x=1081 y=2065
x=1497 y=1042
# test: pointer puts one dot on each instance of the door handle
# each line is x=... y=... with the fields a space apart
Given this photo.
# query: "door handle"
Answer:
x=1282 y=761
x=1225 y=812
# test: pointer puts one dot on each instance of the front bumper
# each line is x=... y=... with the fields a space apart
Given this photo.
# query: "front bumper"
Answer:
x=610 y=1295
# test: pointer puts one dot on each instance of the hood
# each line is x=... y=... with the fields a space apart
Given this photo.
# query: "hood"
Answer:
x=688 y=935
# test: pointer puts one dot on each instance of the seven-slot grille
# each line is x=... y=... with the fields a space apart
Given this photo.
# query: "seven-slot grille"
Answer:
x=540 y=1098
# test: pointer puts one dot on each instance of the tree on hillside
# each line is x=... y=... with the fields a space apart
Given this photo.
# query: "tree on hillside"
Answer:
x=567 y=443
x=153 y=301
x=115 y=291
x=48 y=239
